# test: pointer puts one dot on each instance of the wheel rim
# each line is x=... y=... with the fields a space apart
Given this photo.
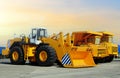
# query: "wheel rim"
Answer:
x=43 y=56
x=15 y=55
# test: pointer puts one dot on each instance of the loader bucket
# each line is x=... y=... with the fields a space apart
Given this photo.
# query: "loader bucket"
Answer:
x=77 y=59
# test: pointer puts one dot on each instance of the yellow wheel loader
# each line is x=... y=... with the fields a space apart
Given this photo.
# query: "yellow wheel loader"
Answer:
x=112 y=49
x=40 y=49
x=91 y=39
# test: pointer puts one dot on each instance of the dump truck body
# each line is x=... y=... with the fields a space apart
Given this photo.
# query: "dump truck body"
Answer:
x=91 y=39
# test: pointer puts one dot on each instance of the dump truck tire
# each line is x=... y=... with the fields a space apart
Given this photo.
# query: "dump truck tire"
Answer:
x=96 y=60
x=100 y=60
x=110 y=58
x=17 y=56
x=45 y=55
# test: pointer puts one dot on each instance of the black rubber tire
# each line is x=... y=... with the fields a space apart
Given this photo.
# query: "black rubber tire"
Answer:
x=51 y=55
x=20 y=56
x=102 y=60
x=58 y=63
x=97 y=60
x=32 y=63
x=105 y=59
x=110 y=58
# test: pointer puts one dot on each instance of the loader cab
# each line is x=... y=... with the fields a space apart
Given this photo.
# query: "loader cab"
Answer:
x=37 y=34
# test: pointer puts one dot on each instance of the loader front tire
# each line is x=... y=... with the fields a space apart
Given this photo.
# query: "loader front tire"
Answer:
x=17 y=56
x=33 y=63
x=45 y=55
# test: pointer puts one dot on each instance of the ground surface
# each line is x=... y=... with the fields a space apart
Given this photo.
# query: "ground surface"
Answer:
x=104 y=70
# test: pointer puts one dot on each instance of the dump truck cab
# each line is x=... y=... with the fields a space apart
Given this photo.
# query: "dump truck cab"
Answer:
x=99 y=51
x=92 y=39
x=107 y=41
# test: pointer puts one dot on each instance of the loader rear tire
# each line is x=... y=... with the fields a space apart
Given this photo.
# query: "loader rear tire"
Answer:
x=45 y=55
x=17 y=56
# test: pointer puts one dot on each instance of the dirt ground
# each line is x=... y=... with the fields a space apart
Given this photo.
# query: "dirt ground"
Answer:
x=104 y=70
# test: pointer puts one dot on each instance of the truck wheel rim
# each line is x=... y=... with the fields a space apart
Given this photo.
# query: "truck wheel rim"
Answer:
x=15 y=56
x=43 y=56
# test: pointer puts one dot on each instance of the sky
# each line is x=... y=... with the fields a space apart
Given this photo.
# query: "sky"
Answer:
x=20 y=16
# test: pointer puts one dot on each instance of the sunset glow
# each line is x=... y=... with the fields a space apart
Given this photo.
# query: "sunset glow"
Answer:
x=19 y=16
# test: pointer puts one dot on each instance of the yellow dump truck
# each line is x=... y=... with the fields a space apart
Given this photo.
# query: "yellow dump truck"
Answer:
x=107 y=41
x=91 y=39
x=40 y=49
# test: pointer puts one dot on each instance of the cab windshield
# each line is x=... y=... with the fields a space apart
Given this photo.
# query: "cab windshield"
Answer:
x=42 y=33
x=91 y=40
x=94 y=40
x=38 y=33
x=110 y=39
x=107 y=39
x=97 y=40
